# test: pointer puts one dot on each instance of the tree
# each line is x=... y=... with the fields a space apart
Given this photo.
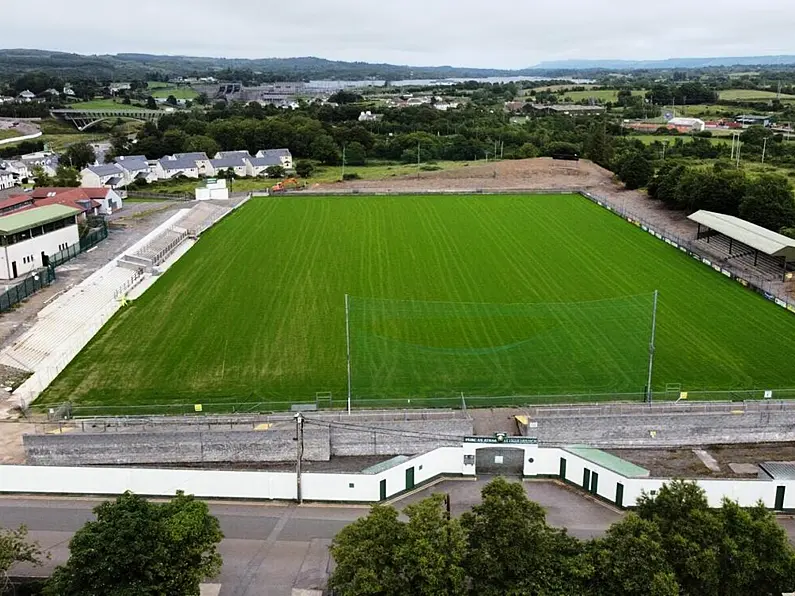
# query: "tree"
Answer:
x=635 y=171
x=630 y=561
x=41 y=179
x=355 y=154
x=202 y=144
x=690 y=534
x=512 y=550
x=343 y=97
x=304 y=169
x=381 y=555
x=15 y=548
x=597 y=146
x=325 y=150
x=756 y=135
x=138 y=548
x=151 y=104
x=432 y=554
x=79 y=155
x=171 y=100
x=769 y=202
x=274 y=172
x=664 y=184
x=365 y=553
x=755 y=555
x=65 y=176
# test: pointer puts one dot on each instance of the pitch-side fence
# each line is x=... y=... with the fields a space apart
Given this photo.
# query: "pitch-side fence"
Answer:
x=461 y=401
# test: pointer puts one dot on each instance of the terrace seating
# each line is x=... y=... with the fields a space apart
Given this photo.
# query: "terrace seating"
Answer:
x=742 y=256
x=67 y=318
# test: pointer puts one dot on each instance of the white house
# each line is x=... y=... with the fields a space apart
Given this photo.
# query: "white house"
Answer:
x=7 y=180
x=16 y=168
x=136 y=167
x=368 y=116
x=284 y=156
x=260 y=165
x=110 y=175
x=46 y=160
x=27 y=238
x=27 y=96
x=239 y=165
x=227 y=154
x=201 y=159
x=171 y=168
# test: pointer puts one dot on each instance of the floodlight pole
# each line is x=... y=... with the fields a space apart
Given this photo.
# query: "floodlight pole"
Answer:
x=348 y=344
x=651 y=347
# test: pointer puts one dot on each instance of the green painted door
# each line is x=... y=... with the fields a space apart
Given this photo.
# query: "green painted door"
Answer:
x=780 y=498
x=586 y=479
x=409 y=478
x=619 y=494
x=383 y=490
x=594 y=482
x=562 y=468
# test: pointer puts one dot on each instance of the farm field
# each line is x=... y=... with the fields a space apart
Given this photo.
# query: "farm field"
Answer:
x=649 y=139
x=8 y=133
x=603 y=95
x=752 y=94
x=106 y=104
x=178 y=92
x=255 y=311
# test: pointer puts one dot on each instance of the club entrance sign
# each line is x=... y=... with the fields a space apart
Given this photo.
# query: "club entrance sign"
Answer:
x=502 y=439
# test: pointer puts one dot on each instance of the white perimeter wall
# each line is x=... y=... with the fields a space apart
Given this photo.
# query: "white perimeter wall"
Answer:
x=337 y=487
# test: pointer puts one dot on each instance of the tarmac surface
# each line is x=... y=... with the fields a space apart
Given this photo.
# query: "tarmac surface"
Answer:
x=269 y=546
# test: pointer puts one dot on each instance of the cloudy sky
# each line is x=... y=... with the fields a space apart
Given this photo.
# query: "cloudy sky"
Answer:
x=477 y=33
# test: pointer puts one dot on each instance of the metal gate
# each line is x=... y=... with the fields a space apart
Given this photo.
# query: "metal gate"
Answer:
x=508 y=461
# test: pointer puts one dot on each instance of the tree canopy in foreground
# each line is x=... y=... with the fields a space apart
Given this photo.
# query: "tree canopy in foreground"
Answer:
x=672 y=545
x=139 y=548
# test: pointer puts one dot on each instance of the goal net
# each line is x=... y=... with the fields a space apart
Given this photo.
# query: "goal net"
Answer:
x=405 y=348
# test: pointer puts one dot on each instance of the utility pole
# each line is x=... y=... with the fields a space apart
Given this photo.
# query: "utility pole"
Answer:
x=738 y=151
x=651 y=347
x=299 y=435
x=665 y=145
x=764 y=150
x=418 y=160
x=343 y=162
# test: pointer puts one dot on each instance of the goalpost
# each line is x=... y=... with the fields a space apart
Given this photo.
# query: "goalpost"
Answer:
x=411 y=348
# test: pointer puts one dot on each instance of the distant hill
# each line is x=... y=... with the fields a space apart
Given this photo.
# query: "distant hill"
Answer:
x=669 y=63
x=121 y=66
x=14 y=62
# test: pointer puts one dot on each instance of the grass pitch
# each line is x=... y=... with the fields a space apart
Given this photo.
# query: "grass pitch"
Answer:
x=255 y=312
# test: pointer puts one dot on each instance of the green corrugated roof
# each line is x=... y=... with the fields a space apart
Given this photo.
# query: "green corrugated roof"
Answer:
x=609 y=461
x=17 y=222
x=385 y=465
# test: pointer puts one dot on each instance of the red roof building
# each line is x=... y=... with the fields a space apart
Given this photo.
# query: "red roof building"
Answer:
x=90 y=201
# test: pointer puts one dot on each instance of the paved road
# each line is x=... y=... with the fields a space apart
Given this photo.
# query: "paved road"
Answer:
x=268 y=547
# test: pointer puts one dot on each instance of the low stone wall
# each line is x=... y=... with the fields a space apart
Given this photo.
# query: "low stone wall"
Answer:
x=665 y=425
x=227 y=439
x=408 y=437
x=174 y=447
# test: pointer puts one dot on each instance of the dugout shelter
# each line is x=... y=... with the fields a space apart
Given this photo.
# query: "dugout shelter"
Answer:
x=772 y=255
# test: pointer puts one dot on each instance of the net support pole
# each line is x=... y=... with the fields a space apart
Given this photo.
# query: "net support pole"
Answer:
x=348 y=348
x=651 y=347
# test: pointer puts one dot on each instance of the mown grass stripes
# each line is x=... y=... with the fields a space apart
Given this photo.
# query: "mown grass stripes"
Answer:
x=255 y=311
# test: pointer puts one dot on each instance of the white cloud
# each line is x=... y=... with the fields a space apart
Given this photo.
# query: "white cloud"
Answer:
x=497 y=33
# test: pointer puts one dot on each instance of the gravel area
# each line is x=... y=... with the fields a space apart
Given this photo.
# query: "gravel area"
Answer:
x=683 y=463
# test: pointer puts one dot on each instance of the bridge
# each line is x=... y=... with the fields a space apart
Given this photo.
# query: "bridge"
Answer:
x=85 y=119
